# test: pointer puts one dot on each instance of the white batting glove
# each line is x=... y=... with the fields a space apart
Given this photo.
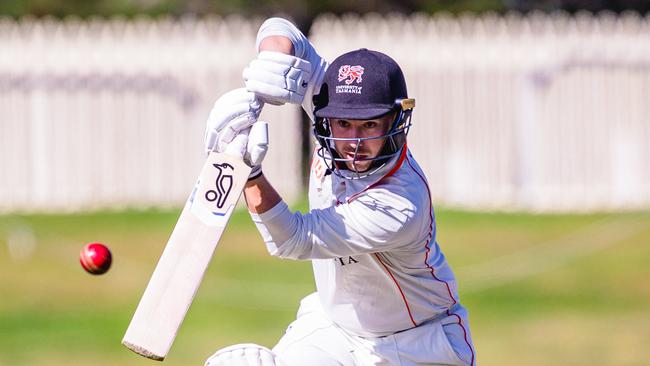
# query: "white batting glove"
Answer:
x=251 y=146
x=232 y=113
x=278 y=78
x=244 y=355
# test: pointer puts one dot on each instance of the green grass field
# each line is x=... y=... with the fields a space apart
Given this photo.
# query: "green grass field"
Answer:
x=541 y=289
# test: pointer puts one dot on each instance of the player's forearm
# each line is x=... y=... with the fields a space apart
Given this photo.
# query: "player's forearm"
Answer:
x=293 y=235
x=275 y=34
x=280 y=44
x=281 y=28
x=280 y=35
x=260 y=195
x=339 y=231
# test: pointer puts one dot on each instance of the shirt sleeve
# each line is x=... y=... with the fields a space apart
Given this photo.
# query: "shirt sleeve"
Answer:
x=374 y=222
x=303 y=49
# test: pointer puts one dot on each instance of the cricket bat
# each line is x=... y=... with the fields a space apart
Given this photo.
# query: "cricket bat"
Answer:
x=182 y=265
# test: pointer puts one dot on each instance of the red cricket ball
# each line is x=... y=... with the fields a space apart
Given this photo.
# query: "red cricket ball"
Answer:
x=95 y=258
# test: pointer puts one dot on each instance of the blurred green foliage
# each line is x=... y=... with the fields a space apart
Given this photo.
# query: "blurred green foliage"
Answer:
x=302 y=12
x=297 y=8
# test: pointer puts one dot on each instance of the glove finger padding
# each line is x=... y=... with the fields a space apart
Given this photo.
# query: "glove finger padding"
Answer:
x=231 y=113
x=284 y=59
x=258 y=143
x=237 y=96
x=233 y=96
x=227 y=111
x=271 y=94
x=251 y=146
x=276 y=73
x=267 y=67
x=232 y=129
x=237 y=146
x=278 y=78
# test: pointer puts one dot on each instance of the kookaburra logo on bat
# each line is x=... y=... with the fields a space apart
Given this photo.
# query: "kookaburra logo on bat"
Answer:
x=223 y=185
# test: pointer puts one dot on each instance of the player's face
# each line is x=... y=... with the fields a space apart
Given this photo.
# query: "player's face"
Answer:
x=366 y=149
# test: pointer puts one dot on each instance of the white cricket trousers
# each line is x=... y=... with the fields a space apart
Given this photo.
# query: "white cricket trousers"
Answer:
x=314 y=340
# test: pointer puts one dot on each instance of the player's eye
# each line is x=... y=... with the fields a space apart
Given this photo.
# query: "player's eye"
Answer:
x=370 y=124
x=343 y=123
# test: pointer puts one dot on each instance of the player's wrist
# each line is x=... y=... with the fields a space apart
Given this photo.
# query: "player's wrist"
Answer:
x=256 y=172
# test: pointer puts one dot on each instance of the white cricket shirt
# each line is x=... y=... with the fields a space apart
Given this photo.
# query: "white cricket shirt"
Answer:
x=372 y=242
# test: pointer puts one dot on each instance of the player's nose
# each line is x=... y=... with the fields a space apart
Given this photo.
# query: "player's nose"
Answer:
x=356 y=132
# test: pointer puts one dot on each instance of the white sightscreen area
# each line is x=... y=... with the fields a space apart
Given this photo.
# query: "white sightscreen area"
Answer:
x=534 y=113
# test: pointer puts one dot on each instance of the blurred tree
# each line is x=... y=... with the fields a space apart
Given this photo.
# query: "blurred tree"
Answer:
x=84 y=8
x=303 y=12
x=572 y=6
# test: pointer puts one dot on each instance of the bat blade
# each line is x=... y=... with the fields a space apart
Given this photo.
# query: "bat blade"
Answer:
x=182 y=265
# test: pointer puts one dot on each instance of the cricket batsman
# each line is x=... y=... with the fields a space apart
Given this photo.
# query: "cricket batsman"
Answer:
x=385 y=293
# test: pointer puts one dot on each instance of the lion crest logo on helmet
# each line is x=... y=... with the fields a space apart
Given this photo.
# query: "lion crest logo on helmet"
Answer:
x=350 y=74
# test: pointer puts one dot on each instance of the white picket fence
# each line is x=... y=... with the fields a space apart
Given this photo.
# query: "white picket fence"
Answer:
x=111 y=114
x=544 y=113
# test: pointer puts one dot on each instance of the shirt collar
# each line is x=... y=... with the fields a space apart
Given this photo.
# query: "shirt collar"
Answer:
x=355 y=187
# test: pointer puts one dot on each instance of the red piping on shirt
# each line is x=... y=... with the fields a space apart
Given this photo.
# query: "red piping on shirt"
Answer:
x=397 y=165
x=426 y=262
x=426 y=245
x=408 y=309
x=464 y=334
